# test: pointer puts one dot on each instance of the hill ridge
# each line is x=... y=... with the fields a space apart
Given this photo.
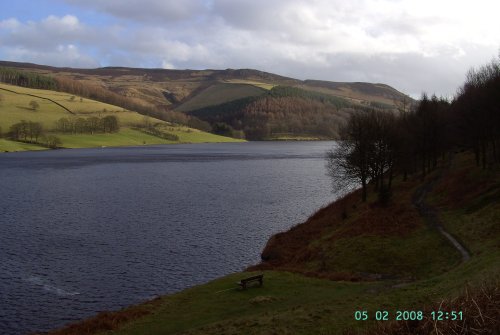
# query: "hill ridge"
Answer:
x=170 y=94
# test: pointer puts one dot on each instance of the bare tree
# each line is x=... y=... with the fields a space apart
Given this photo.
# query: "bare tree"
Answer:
x=367 y=152
x=349 y=162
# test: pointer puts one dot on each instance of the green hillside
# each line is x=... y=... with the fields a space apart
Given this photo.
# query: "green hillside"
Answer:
x=220 y=93
x=16 y=104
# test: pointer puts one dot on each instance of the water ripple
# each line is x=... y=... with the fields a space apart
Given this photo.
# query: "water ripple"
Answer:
x=82 y=231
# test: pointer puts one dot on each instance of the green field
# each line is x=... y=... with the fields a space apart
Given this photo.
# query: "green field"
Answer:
x=10 y=146
x=133 y=137
x=295 y=137
x=220 y=93
x=15 y=106
x=425 y=269
x=265 y=86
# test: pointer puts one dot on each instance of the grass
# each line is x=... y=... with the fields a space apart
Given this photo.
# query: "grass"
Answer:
x=287 y=303
x=483 y=318
x=393 y=240
x=195 y=136
x=218 y=94
x=295 y=137
x=389 y=256
x=133 y=137
x=266 y=86
x=375 y=93
x=219 y=308
x=14 y=107
x=125 y=137
x=11 y=146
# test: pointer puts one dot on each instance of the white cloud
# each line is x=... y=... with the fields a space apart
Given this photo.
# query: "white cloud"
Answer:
x=45 y=34
x=166 y=65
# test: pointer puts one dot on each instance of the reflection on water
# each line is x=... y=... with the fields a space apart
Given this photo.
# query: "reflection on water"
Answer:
x=97 y=229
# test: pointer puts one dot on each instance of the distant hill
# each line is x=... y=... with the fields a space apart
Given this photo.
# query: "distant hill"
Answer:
x=193 y=91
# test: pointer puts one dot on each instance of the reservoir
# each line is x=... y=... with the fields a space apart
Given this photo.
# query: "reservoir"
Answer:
x=88 y=230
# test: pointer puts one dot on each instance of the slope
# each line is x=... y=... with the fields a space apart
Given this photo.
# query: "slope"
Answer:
x=15 y=106
x=283 y=111
x=220 y=93
x=363 y=93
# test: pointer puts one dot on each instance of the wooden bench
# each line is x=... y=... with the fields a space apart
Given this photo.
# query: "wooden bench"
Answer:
x=244 y=282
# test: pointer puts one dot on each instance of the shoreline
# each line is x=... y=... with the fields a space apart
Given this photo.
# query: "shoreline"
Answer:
x=43 y=148
x=301 y=286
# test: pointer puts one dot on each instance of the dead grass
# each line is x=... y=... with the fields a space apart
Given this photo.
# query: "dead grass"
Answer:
x=107 y=321
x=481 y=315
x=286 y=246
x=467 y=183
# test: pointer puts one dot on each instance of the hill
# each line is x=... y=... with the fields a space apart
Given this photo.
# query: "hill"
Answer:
x=161 y=92
x=282 y=112
x=16 y=105
x=363 y=93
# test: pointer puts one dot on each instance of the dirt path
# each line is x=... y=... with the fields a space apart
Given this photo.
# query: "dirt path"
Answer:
x=430 y=214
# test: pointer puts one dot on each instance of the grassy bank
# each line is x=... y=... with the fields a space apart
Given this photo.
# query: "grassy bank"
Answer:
x=380 y=258
x=134 y=137
x=11 y=146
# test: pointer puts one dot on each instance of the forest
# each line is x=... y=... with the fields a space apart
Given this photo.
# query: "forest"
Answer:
x=283 y=110
x=375 y=145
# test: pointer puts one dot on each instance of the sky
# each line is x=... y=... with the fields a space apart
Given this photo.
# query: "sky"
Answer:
x=415 y=46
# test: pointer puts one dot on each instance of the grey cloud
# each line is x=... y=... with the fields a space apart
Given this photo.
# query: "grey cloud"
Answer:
x=403 y=24
x=411 y=73
x=146 y=10
x=316 y=39
x=251 y=15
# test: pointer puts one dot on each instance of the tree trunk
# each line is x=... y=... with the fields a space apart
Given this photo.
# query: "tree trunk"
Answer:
x=363 y=185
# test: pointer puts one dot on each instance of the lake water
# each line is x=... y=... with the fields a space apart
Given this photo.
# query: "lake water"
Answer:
x=87 y=230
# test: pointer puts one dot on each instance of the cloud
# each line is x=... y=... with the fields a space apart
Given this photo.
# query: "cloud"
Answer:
x=412 y=45
x=45 y=34
x=146 y=10
x=9 y=24
x=63 y=55
x=52 y=40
